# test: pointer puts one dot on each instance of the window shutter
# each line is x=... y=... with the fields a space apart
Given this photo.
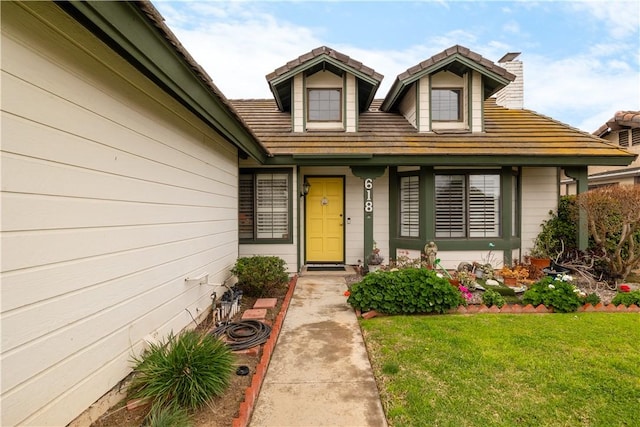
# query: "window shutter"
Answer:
x=635 y=136
x=484 y=204
x=272 y=206
x=623 y=138
x=450 y=203
x=409 y=206
x=245 y=207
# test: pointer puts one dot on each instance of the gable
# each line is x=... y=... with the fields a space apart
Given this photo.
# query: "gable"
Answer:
x=323 y=58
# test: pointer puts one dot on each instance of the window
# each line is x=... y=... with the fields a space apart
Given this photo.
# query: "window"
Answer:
x=264 y=205
x=446 y=105
x=409 y=206
x=324 y=105
x=635 y=136
x=467 y=205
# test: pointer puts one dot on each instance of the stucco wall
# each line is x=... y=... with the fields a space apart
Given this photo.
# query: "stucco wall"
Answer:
x=112 y=195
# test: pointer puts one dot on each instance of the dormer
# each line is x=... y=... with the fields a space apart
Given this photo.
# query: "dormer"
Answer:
x=445 y=93
x=324 y=90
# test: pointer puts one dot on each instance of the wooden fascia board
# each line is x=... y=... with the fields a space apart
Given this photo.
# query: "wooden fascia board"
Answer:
x=141 y=44
x=398 y=87
x=435 y=160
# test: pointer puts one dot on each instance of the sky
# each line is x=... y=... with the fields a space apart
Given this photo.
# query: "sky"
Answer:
x=581 y=58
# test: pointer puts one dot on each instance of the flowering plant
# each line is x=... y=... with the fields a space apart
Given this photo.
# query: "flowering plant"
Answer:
x=466 y=294
x=625 y=288
x=517 y=271
x=557 y=293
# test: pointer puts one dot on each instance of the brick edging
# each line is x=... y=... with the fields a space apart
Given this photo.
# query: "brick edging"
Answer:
x=527 y=309
x=251 y=393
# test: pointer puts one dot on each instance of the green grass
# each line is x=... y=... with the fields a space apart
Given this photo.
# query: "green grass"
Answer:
x=575 y=369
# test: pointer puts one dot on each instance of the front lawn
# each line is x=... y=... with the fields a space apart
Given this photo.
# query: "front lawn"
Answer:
x=575 y=369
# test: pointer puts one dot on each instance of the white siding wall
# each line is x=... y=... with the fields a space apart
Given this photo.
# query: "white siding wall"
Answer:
x=112 y=194
x=476 y=99
x=539 y=196
x=351 y=104
x=451 y=259
x=298 y=104
x=407 y=106
x=424 y=107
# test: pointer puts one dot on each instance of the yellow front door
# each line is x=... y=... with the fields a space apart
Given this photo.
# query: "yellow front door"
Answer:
x=324 y=220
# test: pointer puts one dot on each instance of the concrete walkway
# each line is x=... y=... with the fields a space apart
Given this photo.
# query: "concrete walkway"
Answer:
x=319 y=374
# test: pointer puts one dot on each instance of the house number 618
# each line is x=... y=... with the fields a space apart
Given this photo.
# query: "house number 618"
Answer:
x=368 y=202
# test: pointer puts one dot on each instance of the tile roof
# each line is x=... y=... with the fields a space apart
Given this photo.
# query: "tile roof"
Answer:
x=523 y=134
x=332 y=53
x=462 y=51
x=622 y=119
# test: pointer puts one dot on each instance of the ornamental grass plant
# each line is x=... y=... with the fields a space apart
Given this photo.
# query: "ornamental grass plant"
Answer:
x=185 y=370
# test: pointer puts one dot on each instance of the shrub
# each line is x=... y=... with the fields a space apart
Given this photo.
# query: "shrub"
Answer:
x=556 y=293
x=260 y=276
x=186 y=370
x=558 y=233
x=627 y=298
x=410 y=290
x=613 y=218
x=592 y=299
x=490 y=297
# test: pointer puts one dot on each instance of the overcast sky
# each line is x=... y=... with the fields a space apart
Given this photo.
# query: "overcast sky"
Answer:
x=581 y=59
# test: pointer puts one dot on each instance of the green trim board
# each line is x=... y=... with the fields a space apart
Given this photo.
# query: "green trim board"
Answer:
x=126 y=30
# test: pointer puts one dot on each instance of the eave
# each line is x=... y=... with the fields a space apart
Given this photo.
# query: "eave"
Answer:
x=135 y=31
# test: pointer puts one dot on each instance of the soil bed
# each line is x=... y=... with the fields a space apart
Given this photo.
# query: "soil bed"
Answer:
x=220 y=411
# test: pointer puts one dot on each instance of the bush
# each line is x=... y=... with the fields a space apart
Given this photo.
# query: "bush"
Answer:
x=613 y=217
x=592 y=299
x=410 y=290
x=186 y=370
x=260 y=276
x=490 y=297
x=556 y=293
x=627 y=298
x=559 y=232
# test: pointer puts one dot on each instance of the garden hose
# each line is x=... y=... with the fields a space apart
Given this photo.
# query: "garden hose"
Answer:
x=243 y=334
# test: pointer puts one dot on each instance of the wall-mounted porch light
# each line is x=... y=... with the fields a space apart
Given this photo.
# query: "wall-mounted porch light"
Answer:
x=305 y=188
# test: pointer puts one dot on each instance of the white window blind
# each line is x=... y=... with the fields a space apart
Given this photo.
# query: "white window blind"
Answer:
x=484 y=203
x=409 y=206
x=450 y=206
x=445 y=104
x=272 y=206
x=467 y=206
x=324 y=105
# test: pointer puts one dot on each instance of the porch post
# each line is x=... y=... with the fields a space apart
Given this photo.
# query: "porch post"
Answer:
x=368 y=174
x=580 y=174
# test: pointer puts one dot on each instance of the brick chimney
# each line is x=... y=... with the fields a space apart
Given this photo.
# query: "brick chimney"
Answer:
x=512 y=95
